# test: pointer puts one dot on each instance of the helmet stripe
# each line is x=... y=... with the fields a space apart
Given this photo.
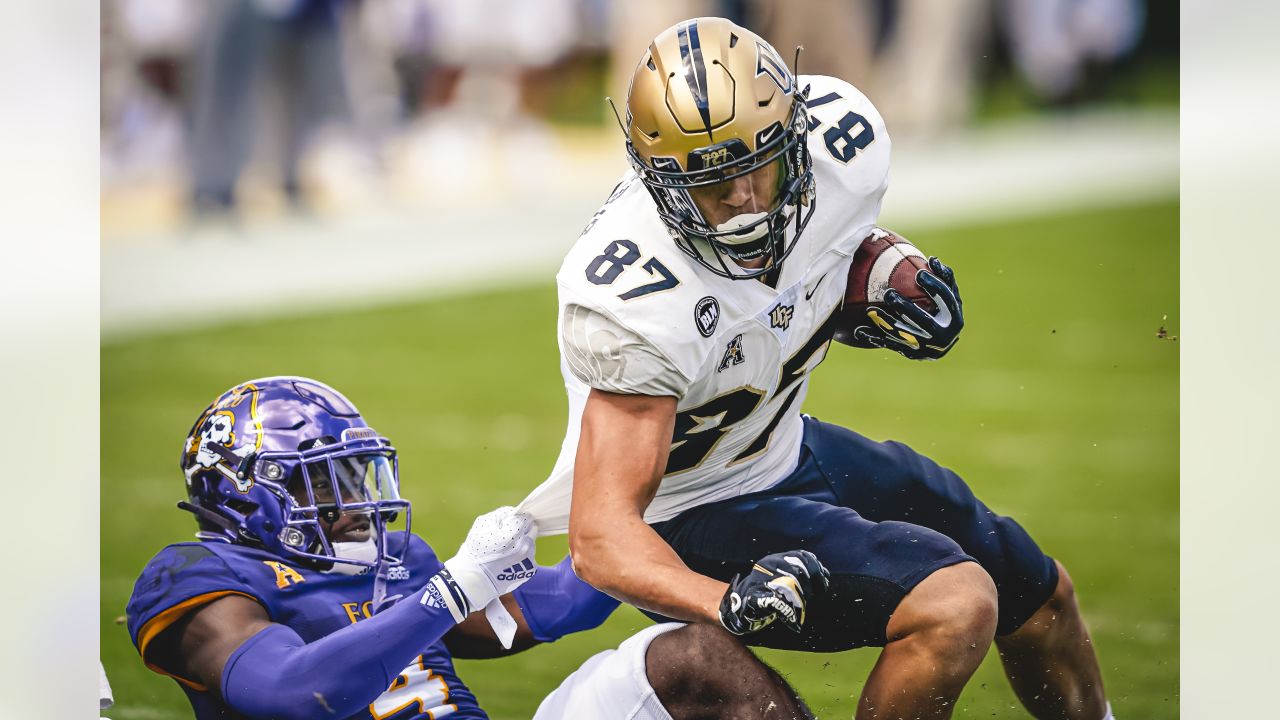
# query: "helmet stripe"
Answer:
x=815 y=102
x=695 y=71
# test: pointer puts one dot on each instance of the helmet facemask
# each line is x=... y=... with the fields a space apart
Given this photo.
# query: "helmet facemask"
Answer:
x=354 y=481
x=287 y=465
x=722 y=249
x=709 y=103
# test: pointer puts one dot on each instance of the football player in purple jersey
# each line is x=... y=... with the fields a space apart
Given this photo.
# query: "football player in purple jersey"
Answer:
x=298 y=601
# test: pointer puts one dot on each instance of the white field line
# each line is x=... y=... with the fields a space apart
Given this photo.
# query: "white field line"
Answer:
x=289 y=266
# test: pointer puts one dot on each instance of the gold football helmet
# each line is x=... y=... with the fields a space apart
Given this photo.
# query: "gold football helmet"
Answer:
x=711 y=102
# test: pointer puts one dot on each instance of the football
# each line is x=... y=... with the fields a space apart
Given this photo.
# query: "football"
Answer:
x=884 y=260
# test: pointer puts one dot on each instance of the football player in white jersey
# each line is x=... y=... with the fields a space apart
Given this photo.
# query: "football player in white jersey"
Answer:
x=692 y=310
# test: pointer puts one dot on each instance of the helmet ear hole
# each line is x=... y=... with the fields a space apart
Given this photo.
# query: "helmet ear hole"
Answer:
x=244 y=507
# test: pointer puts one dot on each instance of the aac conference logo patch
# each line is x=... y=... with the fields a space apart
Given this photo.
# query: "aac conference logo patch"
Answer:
x=706 y=314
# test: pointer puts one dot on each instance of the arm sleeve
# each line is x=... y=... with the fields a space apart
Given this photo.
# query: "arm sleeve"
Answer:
x=606 y=355
x=556 y=602
x=275 y=674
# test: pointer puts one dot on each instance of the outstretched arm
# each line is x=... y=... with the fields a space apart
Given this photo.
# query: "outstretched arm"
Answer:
x=622 y=454
x=475 y=639
x=266 y=670
x=553 y=604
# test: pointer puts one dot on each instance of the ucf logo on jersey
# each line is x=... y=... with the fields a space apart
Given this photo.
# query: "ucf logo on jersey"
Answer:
x=780 y=316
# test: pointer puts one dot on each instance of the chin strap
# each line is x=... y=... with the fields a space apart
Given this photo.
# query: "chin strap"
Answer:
x=366 y=552
x=370 y=551
x=380 y=600
x=380 y=570
x=210 y=516
x=381 y=567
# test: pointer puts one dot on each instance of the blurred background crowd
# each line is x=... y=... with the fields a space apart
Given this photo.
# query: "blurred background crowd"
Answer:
x=216 y=111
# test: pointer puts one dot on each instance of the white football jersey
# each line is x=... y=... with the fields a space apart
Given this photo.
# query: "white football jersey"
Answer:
x=639 y=316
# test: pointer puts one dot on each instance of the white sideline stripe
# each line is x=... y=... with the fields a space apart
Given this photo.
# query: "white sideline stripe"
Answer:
x=293 y=267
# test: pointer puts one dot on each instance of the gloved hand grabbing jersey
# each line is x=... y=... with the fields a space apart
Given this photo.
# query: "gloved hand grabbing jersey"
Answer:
x=779 y=587
x=914 y=333
x=496 y=558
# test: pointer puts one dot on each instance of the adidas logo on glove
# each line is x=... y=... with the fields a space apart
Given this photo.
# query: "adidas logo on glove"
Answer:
x=517 y=572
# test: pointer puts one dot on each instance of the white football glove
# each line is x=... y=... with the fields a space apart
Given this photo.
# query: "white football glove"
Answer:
x=496 y=558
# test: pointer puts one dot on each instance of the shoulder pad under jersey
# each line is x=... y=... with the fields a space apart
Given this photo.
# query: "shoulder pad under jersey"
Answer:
x=634 y=310
x=180 y=579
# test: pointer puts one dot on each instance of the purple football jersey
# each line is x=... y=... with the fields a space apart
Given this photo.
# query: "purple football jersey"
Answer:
x=184 y=576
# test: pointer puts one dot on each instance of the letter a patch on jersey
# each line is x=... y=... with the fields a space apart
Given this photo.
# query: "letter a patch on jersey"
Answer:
x=285 y=575
x=732 y=354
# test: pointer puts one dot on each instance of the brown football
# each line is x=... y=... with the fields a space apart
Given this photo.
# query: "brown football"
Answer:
x=884 y=260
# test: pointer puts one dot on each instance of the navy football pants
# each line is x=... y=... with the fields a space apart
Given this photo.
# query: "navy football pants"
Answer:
x=881 y=517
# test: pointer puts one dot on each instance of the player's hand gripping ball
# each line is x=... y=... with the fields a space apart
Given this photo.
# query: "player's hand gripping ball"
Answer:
x=778 y=588
x=895 y=299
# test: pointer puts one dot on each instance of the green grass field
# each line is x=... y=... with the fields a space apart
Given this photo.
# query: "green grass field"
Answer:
x=1060 y=407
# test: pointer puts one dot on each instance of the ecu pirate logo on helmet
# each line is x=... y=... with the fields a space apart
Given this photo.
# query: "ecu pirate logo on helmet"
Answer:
x=213 y=442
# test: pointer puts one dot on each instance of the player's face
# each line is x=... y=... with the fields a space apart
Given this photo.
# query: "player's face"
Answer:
x=354 y=479
x=755 y=192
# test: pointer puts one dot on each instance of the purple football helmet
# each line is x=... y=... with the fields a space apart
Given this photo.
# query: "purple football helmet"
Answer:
x=271 y=458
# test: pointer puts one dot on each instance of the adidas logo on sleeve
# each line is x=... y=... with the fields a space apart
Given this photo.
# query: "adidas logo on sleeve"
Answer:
x=443 y=591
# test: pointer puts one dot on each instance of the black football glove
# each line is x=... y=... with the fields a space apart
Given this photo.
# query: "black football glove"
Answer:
x=906 y=328
x=779 y=587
